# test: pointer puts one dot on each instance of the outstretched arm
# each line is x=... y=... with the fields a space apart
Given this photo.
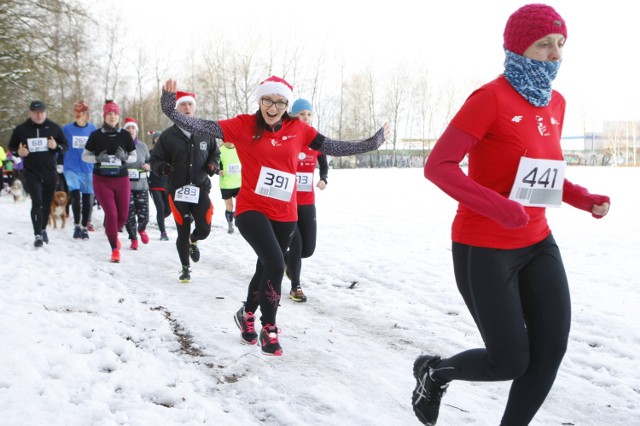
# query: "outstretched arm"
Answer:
x=342 y=148
x=190 y=124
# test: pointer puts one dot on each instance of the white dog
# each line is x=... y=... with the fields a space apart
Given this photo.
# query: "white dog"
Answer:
x=17 y=190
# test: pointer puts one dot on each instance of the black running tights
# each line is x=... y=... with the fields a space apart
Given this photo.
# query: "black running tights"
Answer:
x=303 y=243
x=520 y=302
x=81 y=203
x=41 y=190
x=269 y=239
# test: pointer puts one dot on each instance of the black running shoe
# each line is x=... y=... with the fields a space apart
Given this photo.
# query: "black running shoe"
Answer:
x=194 y=252
x=246 y=323
x=45 y=237
x=38 y=242
x=185 y=275
x=269 y=341
x=77 y=232
x=84 y=234
x=428 y=393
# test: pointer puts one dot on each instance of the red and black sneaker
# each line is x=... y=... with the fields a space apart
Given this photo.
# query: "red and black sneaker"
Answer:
x=269 y=341
x=246 y=323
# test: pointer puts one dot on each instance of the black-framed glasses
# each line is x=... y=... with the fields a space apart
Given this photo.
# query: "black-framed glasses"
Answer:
x=268 y=102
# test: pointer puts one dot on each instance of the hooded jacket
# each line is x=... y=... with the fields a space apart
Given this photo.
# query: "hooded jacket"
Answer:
x=192 y=159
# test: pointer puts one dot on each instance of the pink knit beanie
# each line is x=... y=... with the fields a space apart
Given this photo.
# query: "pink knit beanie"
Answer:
x=110 y=106
x=530 y=23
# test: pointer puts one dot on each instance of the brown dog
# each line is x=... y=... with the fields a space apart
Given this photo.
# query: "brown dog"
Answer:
x=59 y=209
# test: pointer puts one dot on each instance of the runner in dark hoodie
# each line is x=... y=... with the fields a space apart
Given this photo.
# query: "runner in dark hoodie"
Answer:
x=37 y=141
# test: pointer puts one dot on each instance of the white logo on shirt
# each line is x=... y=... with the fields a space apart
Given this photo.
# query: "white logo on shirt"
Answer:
x=542 y=129
x=275 y=142
x=554 y=121
x=516 y=118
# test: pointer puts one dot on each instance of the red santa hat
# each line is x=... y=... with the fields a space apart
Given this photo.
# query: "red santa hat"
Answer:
x=185 y=97
x=130 y=122
x=275 y=86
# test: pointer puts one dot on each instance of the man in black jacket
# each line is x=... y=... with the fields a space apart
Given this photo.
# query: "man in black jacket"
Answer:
x=188 y=160
x=37 y=141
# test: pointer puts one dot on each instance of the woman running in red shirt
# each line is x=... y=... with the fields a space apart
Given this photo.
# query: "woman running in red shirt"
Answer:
x=506 y=262
x=268 y=144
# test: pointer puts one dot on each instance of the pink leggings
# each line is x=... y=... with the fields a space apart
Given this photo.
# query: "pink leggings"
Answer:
x=113 y=195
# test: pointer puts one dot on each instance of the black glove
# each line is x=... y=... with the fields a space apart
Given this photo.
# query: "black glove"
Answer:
x=103 y=157
x=165 y=169
x=211 y=169
x=121 y=154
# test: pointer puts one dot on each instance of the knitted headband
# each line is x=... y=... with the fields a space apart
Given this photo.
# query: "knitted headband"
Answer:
x=80 y=108
x=110 y=106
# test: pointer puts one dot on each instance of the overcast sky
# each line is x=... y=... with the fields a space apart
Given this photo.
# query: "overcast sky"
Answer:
x=459 y=41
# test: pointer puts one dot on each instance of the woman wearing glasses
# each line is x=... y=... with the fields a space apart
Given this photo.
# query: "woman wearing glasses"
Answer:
x=268 y=143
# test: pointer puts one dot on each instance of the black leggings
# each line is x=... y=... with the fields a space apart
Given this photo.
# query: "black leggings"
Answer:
x=41 y=191
x=163 y=210
x=303 y=243
x=183 y=214
x=78 y=204
x=520 y=302
x=269 y=239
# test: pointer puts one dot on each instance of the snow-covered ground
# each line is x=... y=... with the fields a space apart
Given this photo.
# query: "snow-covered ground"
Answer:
x=87 y=342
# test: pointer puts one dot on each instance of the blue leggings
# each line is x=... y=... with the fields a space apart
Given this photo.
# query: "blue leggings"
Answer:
x=520 y=302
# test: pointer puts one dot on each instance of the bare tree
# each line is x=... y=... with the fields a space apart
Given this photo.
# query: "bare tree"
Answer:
x=615 y=137
x=34 y=58
x=396 y=97
x=112 y=60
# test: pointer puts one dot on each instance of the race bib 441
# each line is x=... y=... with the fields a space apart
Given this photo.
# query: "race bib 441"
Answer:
x=539 y=182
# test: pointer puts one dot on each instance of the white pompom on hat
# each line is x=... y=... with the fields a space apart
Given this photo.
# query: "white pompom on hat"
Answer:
x=275 y=86
x=185 y=97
